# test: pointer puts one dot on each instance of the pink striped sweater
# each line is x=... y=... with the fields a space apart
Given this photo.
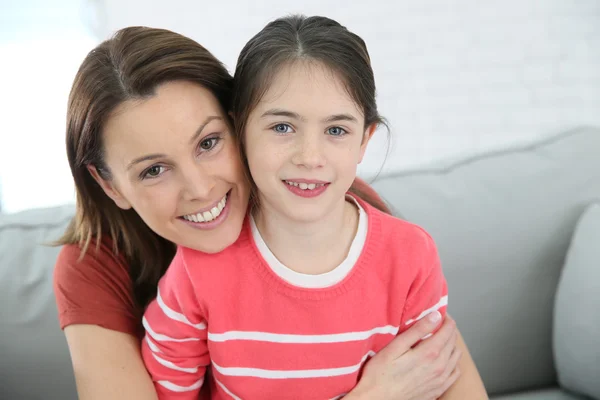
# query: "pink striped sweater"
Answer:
x=263 y=338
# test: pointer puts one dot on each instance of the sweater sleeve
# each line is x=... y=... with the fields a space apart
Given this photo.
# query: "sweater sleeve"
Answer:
x=174 y=348
x=429 y=290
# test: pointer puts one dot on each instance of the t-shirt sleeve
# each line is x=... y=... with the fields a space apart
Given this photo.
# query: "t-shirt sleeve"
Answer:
x=429 y=290
x=95 y=290
x=175 y=349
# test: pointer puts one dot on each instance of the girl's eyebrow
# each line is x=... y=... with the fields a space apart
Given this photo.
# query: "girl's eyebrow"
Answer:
x=278 y=112
x=340 y=117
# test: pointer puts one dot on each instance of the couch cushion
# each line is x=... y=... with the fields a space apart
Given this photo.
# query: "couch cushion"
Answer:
x=503 y=223
x=577 y=310
x=34 y=356
x=550 y=394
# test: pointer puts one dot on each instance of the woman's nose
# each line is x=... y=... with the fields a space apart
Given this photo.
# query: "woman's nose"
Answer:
x=198 y=183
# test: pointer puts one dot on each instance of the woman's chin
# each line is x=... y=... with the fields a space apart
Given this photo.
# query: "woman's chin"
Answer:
x=214 y=241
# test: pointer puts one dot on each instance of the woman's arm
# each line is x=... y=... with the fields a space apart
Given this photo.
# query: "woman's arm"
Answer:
x=97 y=311
x=469 y=386
x=107 y=364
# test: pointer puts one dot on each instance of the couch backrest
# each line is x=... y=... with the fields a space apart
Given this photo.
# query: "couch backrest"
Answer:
x=34 y=359
x=502 y=223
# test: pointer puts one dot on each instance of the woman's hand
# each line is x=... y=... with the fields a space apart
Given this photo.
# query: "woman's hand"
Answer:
x=424 y=372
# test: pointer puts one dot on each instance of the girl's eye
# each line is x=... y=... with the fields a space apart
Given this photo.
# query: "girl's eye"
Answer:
x=153 y=172
x=209 y=144
x=336 y=131
x=282 y=129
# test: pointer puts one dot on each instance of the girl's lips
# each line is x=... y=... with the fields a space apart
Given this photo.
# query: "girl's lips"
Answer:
x=315 y=181
x=306 y=193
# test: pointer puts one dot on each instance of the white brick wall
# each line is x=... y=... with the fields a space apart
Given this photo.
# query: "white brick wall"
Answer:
x=453 y=76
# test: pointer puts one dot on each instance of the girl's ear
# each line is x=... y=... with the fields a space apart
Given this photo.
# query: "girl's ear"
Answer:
x=109 y=188
x=368 y=134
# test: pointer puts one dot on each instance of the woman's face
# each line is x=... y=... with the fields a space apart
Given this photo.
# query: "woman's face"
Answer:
x=173 y=160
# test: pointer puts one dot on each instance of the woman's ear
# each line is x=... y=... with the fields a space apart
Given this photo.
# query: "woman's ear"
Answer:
x=109 y=188
x=366 y=138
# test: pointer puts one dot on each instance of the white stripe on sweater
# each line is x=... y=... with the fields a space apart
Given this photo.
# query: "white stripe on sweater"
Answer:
x=176 y=388
x=164 y=338
x=291 y=374
x=170 y=365
x=443 y=302
x=233 y=396
x=177 y=316
x=294 y=338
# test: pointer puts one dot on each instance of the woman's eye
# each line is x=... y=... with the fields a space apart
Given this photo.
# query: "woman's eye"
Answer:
x=209 y=144
x=153 y=172
x=282 y=128
x=336 y=131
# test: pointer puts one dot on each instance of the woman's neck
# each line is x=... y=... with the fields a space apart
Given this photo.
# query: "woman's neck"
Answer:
x=309 y=247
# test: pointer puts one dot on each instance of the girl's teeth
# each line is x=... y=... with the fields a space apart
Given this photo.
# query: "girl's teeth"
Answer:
x=305 y=186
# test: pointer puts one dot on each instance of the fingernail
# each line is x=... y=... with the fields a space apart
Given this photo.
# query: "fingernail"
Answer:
x=435 y=317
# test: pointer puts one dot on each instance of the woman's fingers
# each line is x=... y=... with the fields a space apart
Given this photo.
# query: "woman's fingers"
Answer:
x=432 y=347
x=454 y=359
x=449 y=382
x=406 y=340
x=449 y=348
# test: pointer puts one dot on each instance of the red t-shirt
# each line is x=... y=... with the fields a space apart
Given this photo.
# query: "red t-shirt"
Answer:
x=98 y=290
x=95 y=290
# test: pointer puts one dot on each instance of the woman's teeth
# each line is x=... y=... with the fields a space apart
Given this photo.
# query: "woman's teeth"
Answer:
x=208 y=216
x=305 y=186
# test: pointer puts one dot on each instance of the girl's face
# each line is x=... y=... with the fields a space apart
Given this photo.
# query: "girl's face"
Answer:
x=173 y=160
x=304 y=141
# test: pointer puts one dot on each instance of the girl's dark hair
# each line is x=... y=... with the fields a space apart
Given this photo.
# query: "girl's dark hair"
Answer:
x=298 y=38
x=128 y=66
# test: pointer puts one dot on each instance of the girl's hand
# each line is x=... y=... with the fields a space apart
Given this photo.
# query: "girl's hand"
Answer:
x=424 y=372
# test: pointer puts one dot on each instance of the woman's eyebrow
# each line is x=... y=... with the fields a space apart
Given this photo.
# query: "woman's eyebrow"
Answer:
x=147 y=157
x=198 y=132
x=203 y=125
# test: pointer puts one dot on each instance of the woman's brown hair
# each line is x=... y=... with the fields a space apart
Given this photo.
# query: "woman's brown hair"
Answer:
x=298 y=38
x=128 y=66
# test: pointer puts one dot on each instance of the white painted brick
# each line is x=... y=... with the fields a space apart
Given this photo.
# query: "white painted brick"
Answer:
x=453 y=76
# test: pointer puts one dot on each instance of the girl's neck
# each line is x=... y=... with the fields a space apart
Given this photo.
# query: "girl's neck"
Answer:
x=309 y=247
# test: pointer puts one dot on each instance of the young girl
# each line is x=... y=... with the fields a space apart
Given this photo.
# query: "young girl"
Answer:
x=319 y=280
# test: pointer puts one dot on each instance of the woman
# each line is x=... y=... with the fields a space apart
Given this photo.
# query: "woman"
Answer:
x=124 y=106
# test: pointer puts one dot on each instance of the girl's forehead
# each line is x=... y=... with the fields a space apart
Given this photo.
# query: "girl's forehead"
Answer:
x=308 y=84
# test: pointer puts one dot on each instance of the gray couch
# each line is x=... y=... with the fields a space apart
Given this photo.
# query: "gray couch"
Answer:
x=519 y=239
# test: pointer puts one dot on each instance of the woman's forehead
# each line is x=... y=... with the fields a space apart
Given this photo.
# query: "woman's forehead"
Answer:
x=168 y=118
